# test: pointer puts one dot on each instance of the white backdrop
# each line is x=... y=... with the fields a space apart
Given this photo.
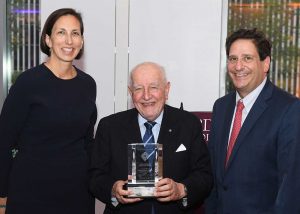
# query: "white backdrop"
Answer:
x=185 y=36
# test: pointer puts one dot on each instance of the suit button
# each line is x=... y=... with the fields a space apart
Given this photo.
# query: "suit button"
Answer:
x=225 y=188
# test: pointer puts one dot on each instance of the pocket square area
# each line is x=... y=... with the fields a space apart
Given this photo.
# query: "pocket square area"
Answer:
x=181 y=148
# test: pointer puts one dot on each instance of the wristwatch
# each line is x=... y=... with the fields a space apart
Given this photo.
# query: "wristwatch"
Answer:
x=184 y=199
x=114 y=201
x=185 y=190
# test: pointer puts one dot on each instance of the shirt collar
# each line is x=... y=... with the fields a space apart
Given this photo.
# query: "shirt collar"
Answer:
x=249 y=100
x=143 y=120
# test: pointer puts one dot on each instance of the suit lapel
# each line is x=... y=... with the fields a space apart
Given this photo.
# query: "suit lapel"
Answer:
x=167 y=130
x=131 y=130
x=255 y=113
x=169 y=136
x=226 y=129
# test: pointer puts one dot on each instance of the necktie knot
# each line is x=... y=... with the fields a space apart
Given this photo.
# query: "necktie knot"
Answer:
x=149 y=125
x=240 y=106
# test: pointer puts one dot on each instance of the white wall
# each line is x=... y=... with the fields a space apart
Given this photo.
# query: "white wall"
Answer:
x=185 y=36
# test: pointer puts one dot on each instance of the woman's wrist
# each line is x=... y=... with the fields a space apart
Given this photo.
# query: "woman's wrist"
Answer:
x=3 y=202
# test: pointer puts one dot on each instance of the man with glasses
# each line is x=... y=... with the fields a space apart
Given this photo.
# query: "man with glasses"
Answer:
x=253 y=131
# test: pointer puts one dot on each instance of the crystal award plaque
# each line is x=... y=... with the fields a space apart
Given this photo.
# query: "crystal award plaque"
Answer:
x=145 y=168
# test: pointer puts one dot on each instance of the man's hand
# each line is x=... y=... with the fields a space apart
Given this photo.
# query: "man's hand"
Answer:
x=169 y=190
x=120 y=193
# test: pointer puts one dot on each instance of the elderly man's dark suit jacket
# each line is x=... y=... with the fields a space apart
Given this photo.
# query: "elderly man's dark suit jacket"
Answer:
x=190 y=167
x=257 y=169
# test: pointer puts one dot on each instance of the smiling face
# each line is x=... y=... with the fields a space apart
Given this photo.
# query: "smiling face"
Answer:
x=65 y=40
x=244 y=66
x=149 y=90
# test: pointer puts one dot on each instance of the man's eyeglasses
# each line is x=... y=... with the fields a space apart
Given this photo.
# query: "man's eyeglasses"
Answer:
x=245 y=59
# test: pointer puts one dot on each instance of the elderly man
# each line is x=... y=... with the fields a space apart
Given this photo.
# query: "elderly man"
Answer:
x=187 y=178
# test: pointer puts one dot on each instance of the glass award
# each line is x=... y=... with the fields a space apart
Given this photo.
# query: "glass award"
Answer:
x=145 y=168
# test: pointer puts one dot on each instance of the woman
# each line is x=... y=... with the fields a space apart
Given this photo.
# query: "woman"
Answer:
x=49 y=115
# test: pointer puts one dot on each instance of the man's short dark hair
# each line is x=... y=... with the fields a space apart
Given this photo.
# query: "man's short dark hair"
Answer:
x=51 y=20
x=258 y=38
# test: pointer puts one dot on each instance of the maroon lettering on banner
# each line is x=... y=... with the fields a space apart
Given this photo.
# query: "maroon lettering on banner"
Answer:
x=205 y=119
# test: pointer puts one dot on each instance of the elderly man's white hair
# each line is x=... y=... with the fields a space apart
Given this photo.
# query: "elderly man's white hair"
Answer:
x=158 y=66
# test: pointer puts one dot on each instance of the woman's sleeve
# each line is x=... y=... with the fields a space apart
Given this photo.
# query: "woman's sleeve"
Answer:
x=13 y=116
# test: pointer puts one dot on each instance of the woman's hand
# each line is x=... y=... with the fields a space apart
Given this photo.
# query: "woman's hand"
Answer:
x=2 y=205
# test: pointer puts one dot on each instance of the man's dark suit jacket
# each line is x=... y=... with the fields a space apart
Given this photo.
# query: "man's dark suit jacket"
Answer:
x=257 y=168
x=191 y=167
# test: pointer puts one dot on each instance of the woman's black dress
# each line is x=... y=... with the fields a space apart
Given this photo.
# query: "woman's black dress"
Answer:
x=51 y=122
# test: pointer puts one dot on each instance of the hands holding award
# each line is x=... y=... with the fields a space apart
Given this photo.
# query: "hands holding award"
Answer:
x=146 y=158
x=165 y=190
x=169 y=190
x=145 y=177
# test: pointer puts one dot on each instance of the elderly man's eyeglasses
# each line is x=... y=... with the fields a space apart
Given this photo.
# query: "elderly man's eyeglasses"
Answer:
x=245 y=59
